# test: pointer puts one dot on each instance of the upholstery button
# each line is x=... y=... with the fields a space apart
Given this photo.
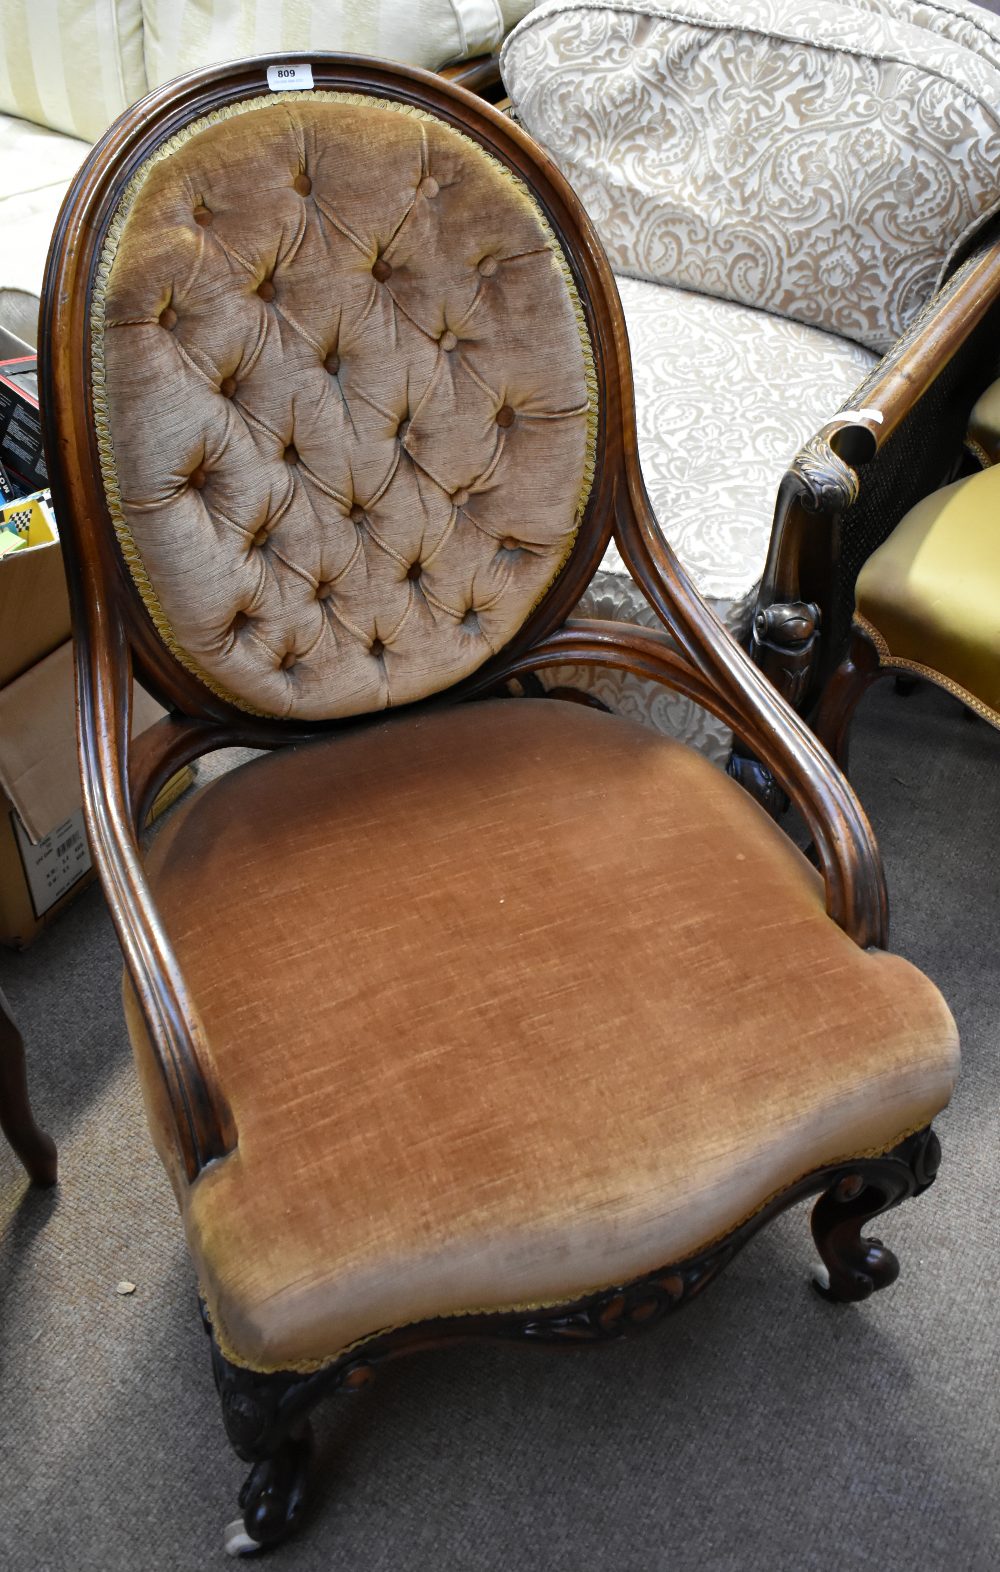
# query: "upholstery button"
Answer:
x=266 y=290
x=428 y=187
x=459 y=498
x=260 y=539
x=357 y=513
x=381 y=269
x=510 y=544
x=487 y=267
x=403 y=428
x=332 y=363
x=227 y=387
x=447 y=340
x=288 y=660
x=168 y=318
x=302 y=184
x=291 y=454
x=324 y=591
x=376 y=648
x=238 y=623
x=203 y=215
x=505 y=416
x=198 y=477
x=414 y=571
x=471 y=618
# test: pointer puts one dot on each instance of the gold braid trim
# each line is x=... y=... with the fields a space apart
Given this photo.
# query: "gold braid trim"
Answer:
x=310 y=1366
x=98 y=316
x=984 y=459
x=898 y=663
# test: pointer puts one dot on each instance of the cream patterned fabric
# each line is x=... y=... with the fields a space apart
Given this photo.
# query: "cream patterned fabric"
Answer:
x=71 y=65
x=725 y=397
x=183 y=34
x=969 y=25
x=350 y=412
x=821 y=161
x=36 y=166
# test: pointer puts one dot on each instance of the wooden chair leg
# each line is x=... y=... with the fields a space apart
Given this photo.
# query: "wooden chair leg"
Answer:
x=266 y=1420
x=842 y=694
x=36 y=1150
x=854 y=1267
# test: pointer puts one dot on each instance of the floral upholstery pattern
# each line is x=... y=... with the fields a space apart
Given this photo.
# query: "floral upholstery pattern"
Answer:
x=967 y=24
x=344 y=403
x=725 y=397
x=825 y=162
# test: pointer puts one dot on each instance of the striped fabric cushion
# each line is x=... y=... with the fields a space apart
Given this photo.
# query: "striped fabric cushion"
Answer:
x=183 y=34
x=72 y=65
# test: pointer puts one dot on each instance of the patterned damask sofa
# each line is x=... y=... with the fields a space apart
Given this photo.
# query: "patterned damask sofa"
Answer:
x=781 y=190
x=69 y=67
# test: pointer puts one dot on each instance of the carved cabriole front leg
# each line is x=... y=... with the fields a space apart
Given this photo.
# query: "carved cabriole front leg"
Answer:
x=855 y=1267
x=266 y=1415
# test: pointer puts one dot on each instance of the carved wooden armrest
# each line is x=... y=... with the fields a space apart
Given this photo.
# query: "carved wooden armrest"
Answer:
x=871 y=459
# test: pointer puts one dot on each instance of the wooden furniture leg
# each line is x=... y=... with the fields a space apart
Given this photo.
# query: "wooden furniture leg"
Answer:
x=36 y=1150
x=852 y=678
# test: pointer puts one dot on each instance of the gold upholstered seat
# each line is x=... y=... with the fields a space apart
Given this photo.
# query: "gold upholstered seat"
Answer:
x=573 y=1009
x=927 y=604
x=464 y=1012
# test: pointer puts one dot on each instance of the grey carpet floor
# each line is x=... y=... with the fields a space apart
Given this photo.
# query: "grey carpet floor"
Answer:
x=761 y=1429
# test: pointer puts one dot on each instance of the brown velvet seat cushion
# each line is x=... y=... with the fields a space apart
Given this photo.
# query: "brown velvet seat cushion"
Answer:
x=512 y=1001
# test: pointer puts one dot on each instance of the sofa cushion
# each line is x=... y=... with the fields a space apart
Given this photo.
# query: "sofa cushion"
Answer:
x=970 y=25
x=36 y=166
x=502 y=1018
x=821 y=161
x=725 y=396
x=181 y=35
x=71 y=65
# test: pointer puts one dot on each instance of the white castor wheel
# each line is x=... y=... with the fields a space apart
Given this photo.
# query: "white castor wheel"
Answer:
x=238 y=1541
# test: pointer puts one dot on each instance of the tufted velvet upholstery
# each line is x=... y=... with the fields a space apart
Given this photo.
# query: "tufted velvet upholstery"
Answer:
x=344 y=401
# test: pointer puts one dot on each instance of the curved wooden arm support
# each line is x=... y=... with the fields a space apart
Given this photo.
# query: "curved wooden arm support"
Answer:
x=856 y=896
x=649 y=653
x=203 y=1122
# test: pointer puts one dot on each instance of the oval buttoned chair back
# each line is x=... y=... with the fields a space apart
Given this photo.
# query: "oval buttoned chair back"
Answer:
x=344 y=394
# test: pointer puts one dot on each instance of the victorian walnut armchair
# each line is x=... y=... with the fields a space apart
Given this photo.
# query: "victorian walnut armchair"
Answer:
x=461 y=1013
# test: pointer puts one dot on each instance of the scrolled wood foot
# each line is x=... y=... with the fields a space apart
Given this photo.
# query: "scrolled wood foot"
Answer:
x=855 y=1267
x=272 y=1497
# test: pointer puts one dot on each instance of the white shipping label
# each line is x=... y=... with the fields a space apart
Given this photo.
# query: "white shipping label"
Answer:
x=282 y=78
x=54 y=865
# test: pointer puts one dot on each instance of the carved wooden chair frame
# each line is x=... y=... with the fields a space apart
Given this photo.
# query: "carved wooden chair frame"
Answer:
x=901 y=436
x=265 y=1413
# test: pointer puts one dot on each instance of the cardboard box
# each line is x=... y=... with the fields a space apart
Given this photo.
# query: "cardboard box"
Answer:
x=21 y=450
x=12 y=348
x=44 y=856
